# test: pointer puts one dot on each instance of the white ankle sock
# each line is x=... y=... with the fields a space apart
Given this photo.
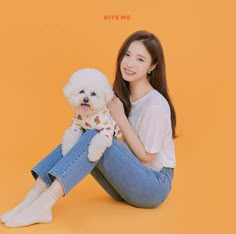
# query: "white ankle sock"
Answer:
x=39 y=211
x=29 y=198
x=37 y=189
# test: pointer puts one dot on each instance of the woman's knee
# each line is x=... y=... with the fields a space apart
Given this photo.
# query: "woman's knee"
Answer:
x=142 y=203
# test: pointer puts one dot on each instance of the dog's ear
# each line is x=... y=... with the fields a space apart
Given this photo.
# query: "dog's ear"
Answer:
x=67 y=90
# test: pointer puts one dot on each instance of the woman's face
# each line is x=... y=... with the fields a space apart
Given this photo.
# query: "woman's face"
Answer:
x=136 y=63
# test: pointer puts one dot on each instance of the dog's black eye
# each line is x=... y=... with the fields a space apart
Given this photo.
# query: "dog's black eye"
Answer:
x=81 y=91
x=93 y=94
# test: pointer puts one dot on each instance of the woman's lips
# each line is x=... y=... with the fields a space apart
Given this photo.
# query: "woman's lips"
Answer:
x=128 y=72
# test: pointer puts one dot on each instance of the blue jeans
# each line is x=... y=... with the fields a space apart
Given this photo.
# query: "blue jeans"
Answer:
x=119 y=172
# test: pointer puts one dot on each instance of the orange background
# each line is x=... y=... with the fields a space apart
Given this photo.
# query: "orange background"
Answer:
x=43 y=42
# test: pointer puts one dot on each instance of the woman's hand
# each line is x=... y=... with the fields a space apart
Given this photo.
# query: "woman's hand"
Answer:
x=117 y=111
x=116 y=108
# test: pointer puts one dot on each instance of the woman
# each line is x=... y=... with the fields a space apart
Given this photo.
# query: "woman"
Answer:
x=139 y=172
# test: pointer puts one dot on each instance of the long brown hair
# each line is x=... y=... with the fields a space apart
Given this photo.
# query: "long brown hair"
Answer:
x=157 y=77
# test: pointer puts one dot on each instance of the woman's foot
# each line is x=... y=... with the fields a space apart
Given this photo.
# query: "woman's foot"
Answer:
x=36 y=190
x=39 y=211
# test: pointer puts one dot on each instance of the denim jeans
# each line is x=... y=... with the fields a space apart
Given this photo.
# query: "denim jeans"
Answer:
x=119 y=172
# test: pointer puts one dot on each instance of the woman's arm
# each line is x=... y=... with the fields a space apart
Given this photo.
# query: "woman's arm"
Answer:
x=117 y=112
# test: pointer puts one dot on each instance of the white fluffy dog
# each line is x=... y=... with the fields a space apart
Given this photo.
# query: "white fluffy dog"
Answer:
x=88 y=92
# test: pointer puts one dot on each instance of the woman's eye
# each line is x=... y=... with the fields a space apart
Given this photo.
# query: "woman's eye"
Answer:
x=93 y=94
x=81 y=91
x=141 y=60
x=127 y=54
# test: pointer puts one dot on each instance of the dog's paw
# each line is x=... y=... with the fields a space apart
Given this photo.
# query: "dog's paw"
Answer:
x=93 y=155
x=65 y=148
x=97 y=147
x=69 y=139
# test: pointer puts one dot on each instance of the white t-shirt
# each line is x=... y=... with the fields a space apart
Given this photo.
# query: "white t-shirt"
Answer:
x=151 y=120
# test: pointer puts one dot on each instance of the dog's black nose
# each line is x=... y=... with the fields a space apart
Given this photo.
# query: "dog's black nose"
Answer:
x=86 y=100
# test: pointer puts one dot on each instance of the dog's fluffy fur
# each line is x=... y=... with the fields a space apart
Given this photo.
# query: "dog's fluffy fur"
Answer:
x=88 y=92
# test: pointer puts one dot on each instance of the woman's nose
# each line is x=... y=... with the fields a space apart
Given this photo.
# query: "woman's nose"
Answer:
x=130 y=62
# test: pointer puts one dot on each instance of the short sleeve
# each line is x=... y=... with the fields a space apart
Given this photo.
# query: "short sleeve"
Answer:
x=153 y=128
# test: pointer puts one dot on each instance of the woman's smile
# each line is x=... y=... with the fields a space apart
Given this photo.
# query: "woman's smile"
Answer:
x=129 y=72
